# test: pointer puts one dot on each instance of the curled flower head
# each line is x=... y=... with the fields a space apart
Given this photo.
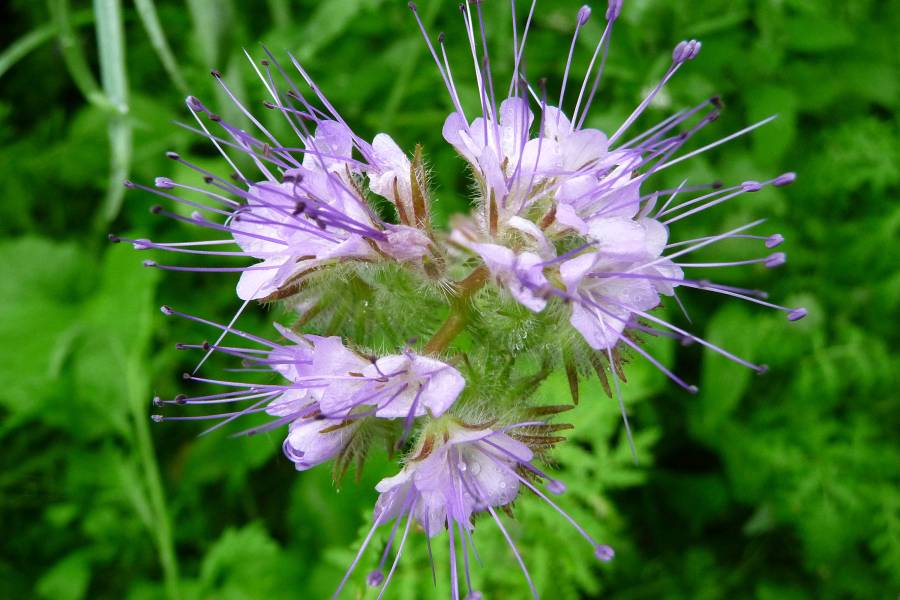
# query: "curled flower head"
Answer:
x=403 y=332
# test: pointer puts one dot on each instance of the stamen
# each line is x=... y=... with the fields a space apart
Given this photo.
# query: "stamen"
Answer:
x=584 y=13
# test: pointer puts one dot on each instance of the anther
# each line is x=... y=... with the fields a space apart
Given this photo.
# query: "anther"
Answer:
x=717 y=101
x=166 y=310
x=685 y=51
x=604 y=552
x=584 y=13
x=784 y=179
x=194 y=103
x=129 y=184
x=557 y=487
x=693 y=389
x=797 y=314
x=173 y=156
x=208 y=179
x=186 y=376
x=774 y=240
x=206 y=345
x=157 y=418
x=156 y=209
x=268 y=104
x=157 y=401
x=376 y=577
x=751 y=186
x=180 y=399
x=412 y=6
x=215 y=118
x=264 y=62
x=114 y=238
x=149 y=263
x=164 y=183
x=614 y=9
x=762 y=369
x=441 y=37
x=216 y=73
x=776 y=260
x=717 y=185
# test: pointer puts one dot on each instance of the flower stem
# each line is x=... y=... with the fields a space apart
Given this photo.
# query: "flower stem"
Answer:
x=163 y=531
x=459 y=311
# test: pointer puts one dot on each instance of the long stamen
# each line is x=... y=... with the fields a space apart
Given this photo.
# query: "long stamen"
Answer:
x=584 y=13
x=612 y=13
x=409 y=520
x=684 y=51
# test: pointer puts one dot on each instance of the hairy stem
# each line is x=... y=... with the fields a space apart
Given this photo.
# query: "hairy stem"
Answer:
x=459 y=311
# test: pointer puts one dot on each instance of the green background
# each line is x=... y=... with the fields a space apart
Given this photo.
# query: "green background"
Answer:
x=780 y=486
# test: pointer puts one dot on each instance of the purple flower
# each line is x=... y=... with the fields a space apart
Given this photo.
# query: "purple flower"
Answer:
x=401 y=385
x=521 y=274
x=330 y=389
x=567 y=181
x=455 y=472
x=312 y=441
x=568 y=221
x=302 y=214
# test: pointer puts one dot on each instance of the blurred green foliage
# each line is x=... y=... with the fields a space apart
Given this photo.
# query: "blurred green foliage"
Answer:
x=785 y=486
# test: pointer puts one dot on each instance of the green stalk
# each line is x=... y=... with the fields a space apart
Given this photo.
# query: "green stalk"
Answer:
x=111 y=51
x=147 y=12
x=73 y=55
x=35 y=38
x=459 y=311
x=165 y=544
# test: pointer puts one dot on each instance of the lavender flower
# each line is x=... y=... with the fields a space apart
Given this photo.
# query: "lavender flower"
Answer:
x=458 y=470
x=563 y=225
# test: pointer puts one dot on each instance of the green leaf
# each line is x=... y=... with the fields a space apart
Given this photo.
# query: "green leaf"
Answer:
x=246 y=564
x=41 y=284
x=68 y=579
x=723 y=382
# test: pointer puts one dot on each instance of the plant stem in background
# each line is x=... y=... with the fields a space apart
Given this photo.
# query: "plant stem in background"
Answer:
x=73 y=55
x=137 y=393
x=111 y=52
x=147 y=11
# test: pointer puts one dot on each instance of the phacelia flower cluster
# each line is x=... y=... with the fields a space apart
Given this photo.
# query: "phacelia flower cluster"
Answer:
x=399 y=332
